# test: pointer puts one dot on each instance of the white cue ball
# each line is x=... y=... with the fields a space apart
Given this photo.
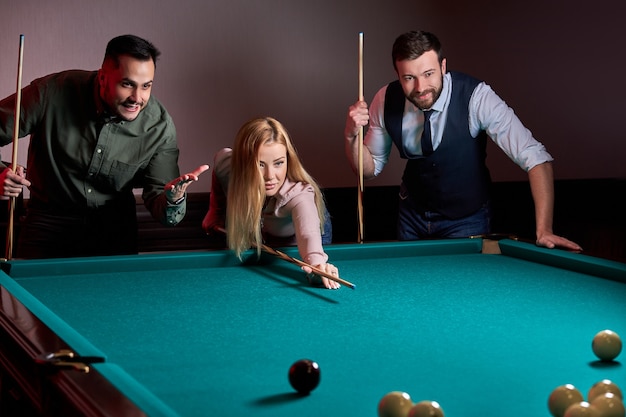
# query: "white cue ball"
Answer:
x=606 y=345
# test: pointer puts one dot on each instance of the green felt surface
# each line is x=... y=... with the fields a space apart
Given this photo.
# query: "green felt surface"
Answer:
x=484 y=335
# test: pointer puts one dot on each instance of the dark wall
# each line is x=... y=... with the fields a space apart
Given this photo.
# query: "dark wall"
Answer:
x=558 y=64
x=590 y=212
x=226 y=61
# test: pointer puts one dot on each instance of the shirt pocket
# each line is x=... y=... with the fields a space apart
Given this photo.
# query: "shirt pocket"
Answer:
x=119 y=176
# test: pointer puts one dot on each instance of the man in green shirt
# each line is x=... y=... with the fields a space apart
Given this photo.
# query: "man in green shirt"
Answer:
x=94 y=137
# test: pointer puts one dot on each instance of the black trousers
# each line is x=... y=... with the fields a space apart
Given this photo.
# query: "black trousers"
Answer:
x=65 y=233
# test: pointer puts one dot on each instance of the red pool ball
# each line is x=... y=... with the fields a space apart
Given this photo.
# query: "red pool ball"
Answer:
x=304 y=375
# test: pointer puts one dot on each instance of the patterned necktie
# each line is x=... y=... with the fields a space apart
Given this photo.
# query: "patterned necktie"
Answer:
x=427 y=142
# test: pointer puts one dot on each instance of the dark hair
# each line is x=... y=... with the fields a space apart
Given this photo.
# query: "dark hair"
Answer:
x=131 y=45
x=411 y=45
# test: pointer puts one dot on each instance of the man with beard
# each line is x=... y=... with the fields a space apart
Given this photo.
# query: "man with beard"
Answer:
x=94 y=137
x=440 y=121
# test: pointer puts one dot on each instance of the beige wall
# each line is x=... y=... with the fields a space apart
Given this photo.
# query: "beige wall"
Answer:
x=225 y=62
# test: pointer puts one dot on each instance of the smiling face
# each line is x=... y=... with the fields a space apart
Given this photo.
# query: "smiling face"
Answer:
x=126 y=88
x=272 y=159
x=422 y=79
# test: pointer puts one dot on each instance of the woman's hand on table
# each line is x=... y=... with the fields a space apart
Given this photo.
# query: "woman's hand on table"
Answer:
x=318 y=280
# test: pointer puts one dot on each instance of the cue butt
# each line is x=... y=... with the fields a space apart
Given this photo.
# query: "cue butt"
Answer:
x=16 y=132
x=360 y=152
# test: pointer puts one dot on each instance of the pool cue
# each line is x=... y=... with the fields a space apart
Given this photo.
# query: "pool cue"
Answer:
x=298 y=262
x=16 y=132
x=360 y=157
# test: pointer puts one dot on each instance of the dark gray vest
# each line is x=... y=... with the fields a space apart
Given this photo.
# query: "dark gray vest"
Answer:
x=454 y=180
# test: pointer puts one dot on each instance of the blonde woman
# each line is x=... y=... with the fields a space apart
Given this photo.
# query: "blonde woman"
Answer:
x=262 y=194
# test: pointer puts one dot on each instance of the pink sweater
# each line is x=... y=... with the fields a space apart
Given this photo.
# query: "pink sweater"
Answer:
x=290 y=216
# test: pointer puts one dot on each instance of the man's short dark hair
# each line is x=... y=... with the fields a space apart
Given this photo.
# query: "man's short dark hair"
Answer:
x=411 y=45
x=133 y=46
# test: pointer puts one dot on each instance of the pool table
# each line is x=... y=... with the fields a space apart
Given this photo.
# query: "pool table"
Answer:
x=486 y=328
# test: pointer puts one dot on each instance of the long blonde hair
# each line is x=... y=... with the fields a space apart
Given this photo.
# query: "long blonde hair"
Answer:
x=246 y=187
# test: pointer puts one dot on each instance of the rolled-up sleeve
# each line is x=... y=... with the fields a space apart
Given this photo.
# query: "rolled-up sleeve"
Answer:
x=490 y=113
x=377 y=140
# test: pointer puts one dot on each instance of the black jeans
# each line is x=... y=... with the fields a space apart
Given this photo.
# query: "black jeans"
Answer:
x=66 y=233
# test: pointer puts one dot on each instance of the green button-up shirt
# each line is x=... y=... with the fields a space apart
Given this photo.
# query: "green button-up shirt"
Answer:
x=79 y=157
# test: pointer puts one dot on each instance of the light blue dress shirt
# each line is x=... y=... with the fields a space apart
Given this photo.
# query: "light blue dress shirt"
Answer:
x=487 y=111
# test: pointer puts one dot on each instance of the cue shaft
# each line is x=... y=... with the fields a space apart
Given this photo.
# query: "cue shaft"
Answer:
x=16 y=133
x=360 y=139
x=298 y=262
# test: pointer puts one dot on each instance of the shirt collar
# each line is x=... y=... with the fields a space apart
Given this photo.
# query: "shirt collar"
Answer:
x=101 y=110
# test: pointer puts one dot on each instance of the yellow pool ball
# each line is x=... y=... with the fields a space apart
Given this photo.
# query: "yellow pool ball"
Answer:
x=426 y=409
x=602 y=387
x=581 y=409
x=562 y=397
x=609 y=405
x=395 y=404
x=606 y=345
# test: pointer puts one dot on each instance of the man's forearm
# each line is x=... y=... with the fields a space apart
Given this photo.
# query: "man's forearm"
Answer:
x=352 y=153
x=541 y=180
